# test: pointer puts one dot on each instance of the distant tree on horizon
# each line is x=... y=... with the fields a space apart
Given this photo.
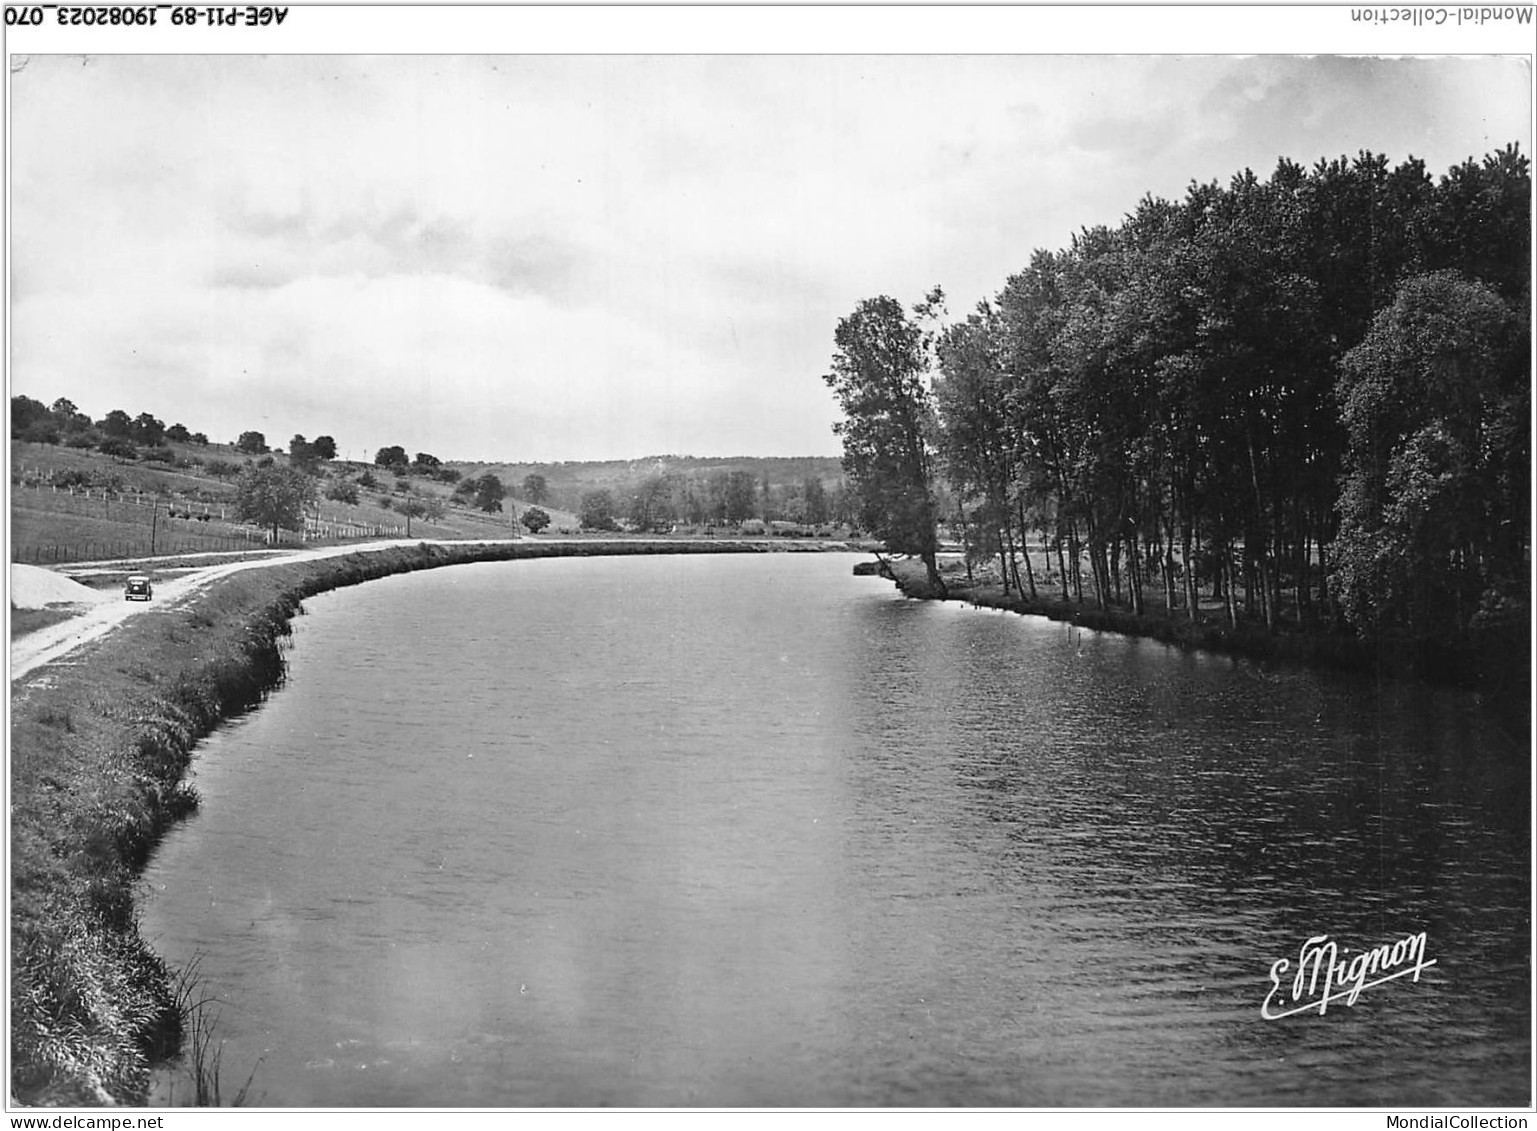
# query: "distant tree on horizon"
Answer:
x=302 y=453
x=393 y=456
x=68 y=416
x=29 y=419
x=147 y=430
x=252 y=443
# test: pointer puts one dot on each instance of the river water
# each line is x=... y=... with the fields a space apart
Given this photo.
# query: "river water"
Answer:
x=748 y=830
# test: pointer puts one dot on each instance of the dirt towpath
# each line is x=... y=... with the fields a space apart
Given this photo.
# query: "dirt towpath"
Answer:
x=46 y=645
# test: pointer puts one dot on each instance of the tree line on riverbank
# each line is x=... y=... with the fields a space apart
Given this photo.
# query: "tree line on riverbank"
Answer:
x=1305 y=397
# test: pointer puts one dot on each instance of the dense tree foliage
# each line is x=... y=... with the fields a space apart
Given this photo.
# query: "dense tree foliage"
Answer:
x=488 y=493
x=32 y=420
x=252 y=443
x=698 y=491
x=62 y=422
x=597 y=510
x=812 y=503
x=651 y=506
x=343 y=492
x=309 y=454
x=1301 y=398
x=274 y=496
x=535 y=519
x=302 y=453
x=412 y=506
x=878 y=377
x=733 y=496
x=117 y=448
x=1433 y=509
x=148 y=430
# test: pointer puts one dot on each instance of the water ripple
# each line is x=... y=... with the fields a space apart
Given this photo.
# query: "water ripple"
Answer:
x=752 y=831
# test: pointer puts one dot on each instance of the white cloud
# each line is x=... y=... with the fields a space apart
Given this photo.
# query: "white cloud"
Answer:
x=563 y=257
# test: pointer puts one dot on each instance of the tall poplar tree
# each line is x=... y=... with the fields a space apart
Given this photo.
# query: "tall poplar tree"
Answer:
x=878 y=375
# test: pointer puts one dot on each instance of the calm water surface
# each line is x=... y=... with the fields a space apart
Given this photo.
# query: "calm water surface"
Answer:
x=748 y=830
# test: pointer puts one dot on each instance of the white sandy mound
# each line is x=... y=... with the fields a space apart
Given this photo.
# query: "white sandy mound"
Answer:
x=34 y=588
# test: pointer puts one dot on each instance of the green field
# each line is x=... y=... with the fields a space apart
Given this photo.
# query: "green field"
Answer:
x=133 y=509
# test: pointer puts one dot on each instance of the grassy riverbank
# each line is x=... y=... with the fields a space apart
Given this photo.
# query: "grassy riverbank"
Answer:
x=100 y=747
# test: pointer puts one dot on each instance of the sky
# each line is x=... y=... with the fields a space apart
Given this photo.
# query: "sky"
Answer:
x=535 y=257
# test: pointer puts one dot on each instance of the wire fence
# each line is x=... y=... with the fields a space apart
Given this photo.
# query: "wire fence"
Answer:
x=341 y=530
x=120 y=506
x=171 y=525
x=59 y=552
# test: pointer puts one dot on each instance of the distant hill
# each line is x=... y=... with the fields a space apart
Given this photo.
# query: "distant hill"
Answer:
x=72 y=473
x=568 y=479
x=76 y=503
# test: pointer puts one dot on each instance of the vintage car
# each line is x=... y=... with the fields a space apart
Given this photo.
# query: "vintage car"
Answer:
x=138 y=588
